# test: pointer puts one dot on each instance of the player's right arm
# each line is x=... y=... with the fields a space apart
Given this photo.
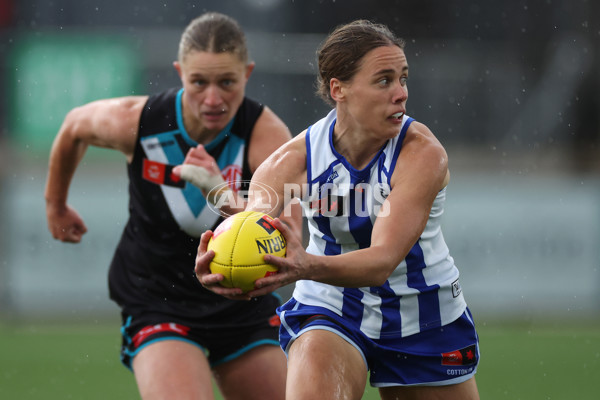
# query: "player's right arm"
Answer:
x=109 y=123
x=279 y=178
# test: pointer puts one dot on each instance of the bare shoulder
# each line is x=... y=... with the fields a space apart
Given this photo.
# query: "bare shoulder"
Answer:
x=420 y=133
x=293 y=152
x=117 y=114
x=268 y=119
x=110 y=123
x=268 y=134
x=107 y=108
x=422 y=153
x=288 y=162
x=295 y=149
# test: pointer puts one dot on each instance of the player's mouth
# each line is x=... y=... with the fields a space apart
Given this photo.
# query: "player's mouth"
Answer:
x=397 y=116
x=214 y=115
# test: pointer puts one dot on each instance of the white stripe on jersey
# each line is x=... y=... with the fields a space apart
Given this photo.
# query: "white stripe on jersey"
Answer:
x=371 y=318
x=422 y=292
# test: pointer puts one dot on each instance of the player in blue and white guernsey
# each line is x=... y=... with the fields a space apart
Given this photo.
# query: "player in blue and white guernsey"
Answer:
x=376 y=288
x=176 y=334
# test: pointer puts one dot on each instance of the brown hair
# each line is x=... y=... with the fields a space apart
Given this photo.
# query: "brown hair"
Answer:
x=215 y=33
x=341 y=53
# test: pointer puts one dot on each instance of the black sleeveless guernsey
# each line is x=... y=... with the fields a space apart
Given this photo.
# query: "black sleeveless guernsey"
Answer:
x=153 y=267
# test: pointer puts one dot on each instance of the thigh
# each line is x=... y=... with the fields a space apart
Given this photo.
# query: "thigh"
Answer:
x=258 y=374
x=172 y=369
x=323 y=365
x=462 y=391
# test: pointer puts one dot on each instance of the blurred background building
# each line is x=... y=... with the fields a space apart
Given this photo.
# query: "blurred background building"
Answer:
x=510 y=88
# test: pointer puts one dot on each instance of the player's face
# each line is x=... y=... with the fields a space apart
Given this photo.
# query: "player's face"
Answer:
x=375 y=98
x=214 y=86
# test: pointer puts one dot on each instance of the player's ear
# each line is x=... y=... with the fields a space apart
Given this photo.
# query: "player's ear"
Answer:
x=336 y=90
x=249 y=69
x=177 y=67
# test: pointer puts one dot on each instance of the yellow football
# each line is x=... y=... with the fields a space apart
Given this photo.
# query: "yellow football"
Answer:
x=240 y=244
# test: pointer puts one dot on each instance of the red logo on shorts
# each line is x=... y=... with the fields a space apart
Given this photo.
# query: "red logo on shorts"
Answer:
x=158 y=328
x=274 y=320
x=466 y=356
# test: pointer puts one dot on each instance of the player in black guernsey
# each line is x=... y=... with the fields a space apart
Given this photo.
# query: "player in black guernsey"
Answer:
x=175 y=332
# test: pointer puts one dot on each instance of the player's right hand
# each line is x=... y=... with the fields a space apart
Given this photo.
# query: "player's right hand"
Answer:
x=209 y=280
x=65 y=224
x=200 y=169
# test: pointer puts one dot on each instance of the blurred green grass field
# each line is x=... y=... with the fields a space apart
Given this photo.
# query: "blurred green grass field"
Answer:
x=80 y=361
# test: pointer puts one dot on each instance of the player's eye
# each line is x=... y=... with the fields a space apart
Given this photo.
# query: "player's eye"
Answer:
x=383 y=82
x=226 y=83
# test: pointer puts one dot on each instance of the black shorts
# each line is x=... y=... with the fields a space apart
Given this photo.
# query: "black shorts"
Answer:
x=221 y=344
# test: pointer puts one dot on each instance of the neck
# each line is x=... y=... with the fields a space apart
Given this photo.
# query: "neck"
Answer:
x=355 y=146
x=201 y=136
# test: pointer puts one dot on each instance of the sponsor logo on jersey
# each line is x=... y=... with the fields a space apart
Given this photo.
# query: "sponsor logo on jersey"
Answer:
x=232 y=174
x=162 y=144
x=466 y=356
x=346 y=199
x=330 y=206
x=332 y=177
x=456 y=289
x=161 y=174
x=166 y=143
x=384 y=191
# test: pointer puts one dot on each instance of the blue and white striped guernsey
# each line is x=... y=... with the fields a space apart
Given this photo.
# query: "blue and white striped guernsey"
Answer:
x=423 y=292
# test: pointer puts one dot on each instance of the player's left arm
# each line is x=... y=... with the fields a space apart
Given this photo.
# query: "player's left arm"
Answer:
x=420 y=173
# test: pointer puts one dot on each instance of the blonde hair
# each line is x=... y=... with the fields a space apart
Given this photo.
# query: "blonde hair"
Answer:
x=215 y=33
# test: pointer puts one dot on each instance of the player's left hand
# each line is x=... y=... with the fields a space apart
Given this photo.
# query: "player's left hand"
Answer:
x=209 y=280
x=293 y=267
